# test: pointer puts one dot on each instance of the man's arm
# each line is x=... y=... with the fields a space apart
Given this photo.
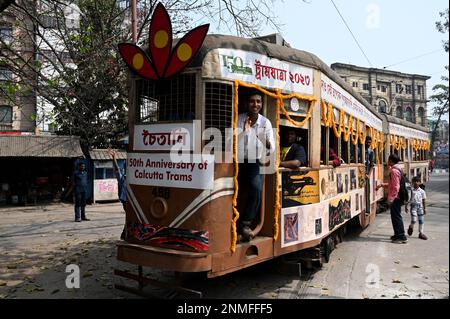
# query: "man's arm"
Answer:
x=292 y=164
x=112 y=153
x=270 y=140
x=371 y=164
x=424 y=204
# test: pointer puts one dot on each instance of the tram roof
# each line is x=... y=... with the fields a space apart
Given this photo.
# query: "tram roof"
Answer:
x=396 y=120
x=217 y=41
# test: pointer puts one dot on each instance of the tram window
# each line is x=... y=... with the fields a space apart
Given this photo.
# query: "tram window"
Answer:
x=171 y=100
x=302 y=140
x=353 y=152
x=344 y=150
x=148 y=112
x=323 y=139
x=218 y=107
x=334 y=145
x=333 y=141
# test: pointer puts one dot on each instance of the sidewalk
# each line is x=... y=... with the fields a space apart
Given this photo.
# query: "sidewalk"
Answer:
x=368 y=265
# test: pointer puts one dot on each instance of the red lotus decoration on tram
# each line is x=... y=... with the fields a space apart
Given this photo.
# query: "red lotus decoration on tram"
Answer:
x=163 y=62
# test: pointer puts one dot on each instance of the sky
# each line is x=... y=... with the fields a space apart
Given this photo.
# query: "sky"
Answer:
x=389 y=32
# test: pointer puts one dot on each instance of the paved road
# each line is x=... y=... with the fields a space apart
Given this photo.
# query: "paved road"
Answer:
x=370 y=266
x=38 y=243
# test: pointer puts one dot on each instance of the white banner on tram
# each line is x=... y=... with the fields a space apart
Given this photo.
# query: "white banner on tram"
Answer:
x=407 y=132
x=333 y=93
x=163 y=137
x=196 y=171
x=264 y=71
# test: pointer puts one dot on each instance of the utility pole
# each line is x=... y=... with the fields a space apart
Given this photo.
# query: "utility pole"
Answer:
x=133 y=21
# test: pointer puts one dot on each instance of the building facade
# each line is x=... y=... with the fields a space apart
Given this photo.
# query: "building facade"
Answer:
x=17 y=111
x=41 y=58
x=399 y=94
x=38 y=163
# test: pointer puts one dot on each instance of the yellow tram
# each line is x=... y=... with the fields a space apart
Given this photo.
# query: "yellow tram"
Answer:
x=183 y=198
x=409 y=141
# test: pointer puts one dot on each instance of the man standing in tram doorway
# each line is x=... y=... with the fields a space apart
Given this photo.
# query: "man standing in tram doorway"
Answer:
x=369 y=164
x=80 y=183
x=257 y=137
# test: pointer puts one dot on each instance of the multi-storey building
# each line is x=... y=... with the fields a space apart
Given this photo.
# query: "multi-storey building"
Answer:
x=38 y=165
x=399 y=94
x=16 y=112
x=38 y=43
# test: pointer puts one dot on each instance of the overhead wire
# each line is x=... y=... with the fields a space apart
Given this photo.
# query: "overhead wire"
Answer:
x=354 y=38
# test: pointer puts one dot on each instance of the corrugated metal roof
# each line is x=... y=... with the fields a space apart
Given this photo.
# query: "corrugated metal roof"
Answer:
x=103 y=155
x=40 y=146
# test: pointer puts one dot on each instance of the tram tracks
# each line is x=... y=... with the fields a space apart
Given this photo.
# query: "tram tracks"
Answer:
x=300 y=287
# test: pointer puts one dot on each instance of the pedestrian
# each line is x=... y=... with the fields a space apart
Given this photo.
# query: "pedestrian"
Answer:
x=121 y=179
x=257 y=137
x=80 y=184
x=122 y=188
x=418 y=207
x=393 y=199
x=431 y=165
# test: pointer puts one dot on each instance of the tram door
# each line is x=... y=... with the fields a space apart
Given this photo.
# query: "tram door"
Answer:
x=264 y=164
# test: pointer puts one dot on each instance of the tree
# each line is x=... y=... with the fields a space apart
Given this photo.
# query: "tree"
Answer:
x=64 y=54
x=441 y=90
x=442 y=26
x=4 y=4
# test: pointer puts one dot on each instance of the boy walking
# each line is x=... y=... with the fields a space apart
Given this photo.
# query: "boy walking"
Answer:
x=418 y=208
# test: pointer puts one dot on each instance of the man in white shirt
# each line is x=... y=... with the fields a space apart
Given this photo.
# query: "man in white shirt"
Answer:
x=255 y=141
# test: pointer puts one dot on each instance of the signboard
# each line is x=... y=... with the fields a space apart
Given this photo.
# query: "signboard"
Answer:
x=407 y=132
x=336 y=95
x=164 y=137
x=169 y=170
x=105 y=189
x=264 y=71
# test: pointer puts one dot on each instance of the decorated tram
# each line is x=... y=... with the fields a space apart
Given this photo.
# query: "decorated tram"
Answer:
x=183 y=195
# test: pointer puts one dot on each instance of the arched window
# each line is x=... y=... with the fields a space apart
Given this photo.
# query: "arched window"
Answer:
x=5 y=114
x=409 y=114
x=421 y=115
x=399 y=112
x=382 y=106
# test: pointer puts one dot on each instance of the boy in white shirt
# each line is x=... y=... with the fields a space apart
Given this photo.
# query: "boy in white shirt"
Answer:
x=418 y=208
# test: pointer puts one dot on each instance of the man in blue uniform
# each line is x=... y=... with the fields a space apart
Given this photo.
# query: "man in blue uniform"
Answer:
x=80 y=182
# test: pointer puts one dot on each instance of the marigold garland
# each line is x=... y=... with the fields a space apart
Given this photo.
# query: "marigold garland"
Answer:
x=277 y=206
x=236 y=170
x=363 y=134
